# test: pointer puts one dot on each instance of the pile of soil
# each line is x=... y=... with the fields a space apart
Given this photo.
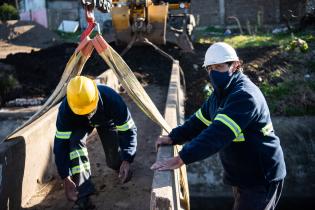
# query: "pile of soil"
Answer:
x=27 y=33
x=259 y=64
x=38 y=73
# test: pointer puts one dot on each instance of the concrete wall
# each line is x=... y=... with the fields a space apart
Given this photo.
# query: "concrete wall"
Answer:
x=206 y=12
x=297 y=136
x=26 y=161
x=297 y=7
x=168 y=192
x=248 y=10
x=32 y=10
x=62 y=10
x=11 y=153
x=71 y=10
x=215 y=12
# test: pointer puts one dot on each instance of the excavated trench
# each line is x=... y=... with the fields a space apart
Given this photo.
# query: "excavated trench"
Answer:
x=38 y=74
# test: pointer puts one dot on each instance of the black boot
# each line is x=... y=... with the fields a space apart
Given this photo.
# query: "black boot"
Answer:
x=84 y=203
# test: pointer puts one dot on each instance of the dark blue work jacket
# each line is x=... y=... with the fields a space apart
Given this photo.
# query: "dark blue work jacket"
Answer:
x=236 y=123
x=112 y=113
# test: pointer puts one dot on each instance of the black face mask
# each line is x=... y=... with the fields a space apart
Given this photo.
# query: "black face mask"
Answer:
x=220 y=80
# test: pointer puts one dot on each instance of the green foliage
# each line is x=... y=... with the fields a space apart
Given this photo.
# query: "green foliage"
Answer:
x=8 y=12
x=69 y=37
x=242 y=41
x=279 y=91
x=282 y=98
x=7 y=84
x=207 y=90
x=298 y=43
x=289 y=86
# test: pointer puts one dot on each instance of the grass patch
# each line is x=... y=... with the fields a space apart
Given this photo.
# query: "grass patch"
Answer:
x=290 y=98
x=288 y=84
x=279 y=91
x=258 y=40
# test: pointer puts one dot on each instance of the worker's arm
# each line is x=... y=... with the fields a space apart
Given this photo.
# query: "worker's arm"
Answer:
x=102 y=5
x=61 y=144
x=193 y=126
x=227 y=126
x=126 y=128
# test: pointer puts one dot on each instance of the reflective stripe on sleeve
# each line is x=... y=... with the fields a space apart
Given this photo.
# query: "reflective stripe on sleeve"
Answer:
x=267 y=129
x=63 y=134
x=202 y=118
x=229 y=123
x=239 y=138
x=126 y=126
x=78 y=169
x=78 y=153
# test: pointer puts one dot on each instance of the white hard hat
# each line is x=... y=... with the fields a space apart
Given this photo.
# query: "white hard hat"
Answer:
x=219 y=52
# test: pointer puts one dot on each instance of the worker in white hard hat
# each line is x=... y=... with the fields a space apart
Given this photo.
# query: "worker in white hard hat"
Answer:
x=85 y=107
x=234 y=121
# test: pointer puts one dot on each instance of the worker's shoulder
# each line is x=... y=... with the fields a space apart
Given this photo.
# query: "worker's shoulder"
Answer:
x=247 y=91
x=246 y=87
x=106 y=90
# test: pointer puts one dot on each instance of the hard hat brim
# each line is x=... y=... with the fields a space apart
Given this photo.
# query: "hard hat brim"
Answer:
x=86 y=109
x=220 y=62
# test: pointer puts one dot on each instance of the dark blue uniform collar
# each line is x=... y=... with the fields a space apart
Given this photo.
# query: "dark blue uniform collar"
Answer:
x=234 y=79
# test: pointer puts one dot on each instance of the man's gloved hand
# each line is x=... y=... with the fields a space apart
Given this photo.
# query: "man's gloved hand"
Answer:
x=70 y=189
x=102 y=5
x=125 y=173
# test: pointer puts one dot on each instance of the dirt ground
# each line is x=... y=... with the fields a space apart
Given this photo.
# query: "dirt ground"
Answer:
x=38 y=73
x=24 y=36
x=111 y=194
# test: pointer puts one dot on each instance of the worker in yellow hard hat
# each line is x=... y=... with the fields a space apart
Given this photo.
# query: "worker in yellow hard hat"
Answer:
x=85 y=107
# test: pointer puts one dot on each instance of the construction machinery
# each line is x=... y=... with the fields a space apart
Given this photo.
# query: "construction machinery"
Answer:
x=157 y=21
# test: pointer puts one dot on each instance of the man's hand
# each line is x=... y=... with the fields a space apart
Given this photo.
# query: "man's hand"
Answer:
x=169 y=164
x=125 y=173
x=102 y=5
x=70 y=189
x=163 y=140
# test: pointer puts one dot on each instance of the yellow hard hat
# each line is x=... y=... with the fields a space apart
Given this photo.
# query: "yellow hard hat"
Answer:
x=82 y=95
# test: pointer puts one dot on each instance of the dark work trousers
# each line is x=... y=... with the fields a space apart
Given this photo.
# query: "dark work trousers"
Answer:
x=257 y=198
x=82 y=177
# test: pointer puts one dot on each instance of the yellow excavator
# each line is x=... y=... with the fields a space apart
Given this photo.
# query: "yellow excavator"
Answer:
x=156 y=21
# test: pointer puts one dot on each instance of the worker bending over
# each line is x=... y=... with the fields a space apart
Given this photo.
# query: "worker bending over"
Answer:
x=234 y=121
x=85 y=107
